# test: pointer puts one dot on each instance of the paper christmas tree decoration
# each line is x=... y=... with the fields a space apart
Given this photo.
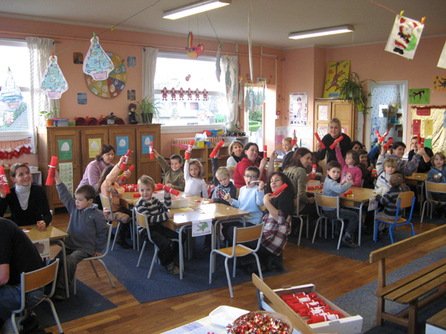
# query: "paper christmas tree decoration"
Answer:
x=442 y=60
x=10 y=93
x=53 y=83
x=404 y=37
x=97 y=63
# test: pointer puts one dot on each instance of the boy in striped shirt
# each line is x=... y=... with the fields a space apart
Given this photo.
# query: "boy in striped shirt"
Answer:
x=389 y=200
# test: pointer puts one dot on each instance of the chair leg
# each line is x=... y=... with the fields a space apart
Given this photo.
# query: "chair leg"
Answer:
x=74 y=282
x=56 y=317
x=300 y=230
x=211 y=257
x=308 y=225
x=94 y=268
x=391 y=233
x=14 y=325
x=107 y=272
x=422 y=211
x=315 y=229
x=340 y=233
x=116 y=235
x=234 y=264
x=375 y=231
x=258 y=265
x=228 y=277
x=140 y=253
x=155 y=256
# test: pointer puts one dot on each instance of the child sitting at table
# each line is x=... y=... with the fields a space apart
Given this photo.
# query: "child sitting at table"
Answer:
x=367 y=179
x=193 y=173
x=222 y=183
x=157 y=213
x=87 y=231
x=250 y=199
x=108 y=187
x=389 y=200
x=438 y=174
x=173 y=175
x=332 y=187
x=350 y=169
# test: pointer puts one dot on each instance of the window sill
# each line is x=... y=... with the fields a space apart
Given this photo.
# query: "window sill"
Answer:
x=190 y=128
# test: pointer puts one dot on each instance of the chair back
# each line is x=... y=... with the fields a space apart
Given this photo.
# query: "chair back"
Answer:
x=434 y=187
x=328 y=202
x=142 y=221
x=246 y=234
x=405 y=199
x=106 y=204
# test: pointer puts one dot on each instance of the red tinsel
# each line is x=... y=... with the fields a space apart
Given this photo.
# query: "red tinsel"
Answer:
x=17 y=152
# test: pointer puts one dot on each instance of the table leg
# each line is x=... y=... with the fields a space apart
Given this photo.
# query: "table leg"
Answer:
x=360 y=224
x=180 y=247
x=64 y=254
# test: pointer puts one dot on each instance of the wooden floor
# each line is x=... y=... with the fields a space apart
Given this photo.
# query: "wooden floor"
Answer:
x=333 y=276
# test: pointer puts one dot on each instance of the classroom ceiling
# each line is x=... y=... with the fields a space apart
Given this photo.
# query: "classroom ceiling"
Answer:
x=271 y=20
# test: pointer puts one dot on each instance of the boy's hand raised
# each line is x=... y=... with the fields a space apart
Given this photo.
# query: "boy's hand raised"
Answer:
x=57 y=177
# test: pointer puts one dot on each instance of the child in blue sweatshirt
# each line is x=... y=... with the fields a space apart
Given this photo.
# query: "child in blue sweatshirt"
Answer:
x=438 y=174
x=332 y=187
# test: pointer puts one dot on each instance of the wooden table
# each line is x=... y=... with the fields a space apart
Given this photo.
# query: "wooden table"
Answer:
x=360 y=197
x=417 y=177
x=197 y=209
x=55 y=236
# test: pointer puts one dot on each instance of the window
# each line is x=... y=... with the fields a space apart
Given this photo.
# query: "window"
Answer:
x=15 y=117
x=183 y=108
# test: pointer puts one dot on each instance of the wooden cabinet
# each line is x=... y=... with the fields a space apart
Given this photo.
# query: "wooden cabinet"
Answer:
x=82 y=137
x=325 y=110
x=202 y=154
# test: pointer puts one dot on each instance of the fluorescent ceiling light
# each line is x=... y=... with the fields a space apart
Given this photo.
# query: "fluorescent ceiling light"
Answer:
x=321 y=32
x=194 y=8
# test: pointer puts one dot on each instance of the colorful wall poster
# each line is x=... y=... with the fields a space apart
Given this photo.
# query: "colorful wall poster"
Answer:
x=428 y=127
x=419 y=96
x=65 y=149
x=439 y=83
x=404 y=37
x=336 y=71
x=122 y=145
x=416 y=127
x=298 y=109
x=146 y=140
x=66 y=175
x=94 y=144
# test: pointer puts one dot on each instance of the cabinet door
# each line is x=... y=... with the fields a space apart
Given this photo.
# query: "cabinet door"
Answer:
x=92 y=140
x=322 y=115
x=145 y=165
x=343 y=110
x=59 y=145
x=123 y=138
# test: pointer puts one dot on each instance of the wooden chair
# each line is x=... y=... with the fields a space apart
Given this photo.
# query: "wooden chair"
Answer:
x=106 y=203
x=241 y=235
x=432 y=188
x=329 y=202
x=300 y=217
x=35 y=280
x=404 y=200
x=142 y=221
x=99 y=259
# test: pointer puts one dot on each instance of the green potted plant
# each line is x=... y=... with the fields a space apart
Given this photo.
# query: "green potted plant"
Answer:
x=49 y=115
x=351 y=88
x=148 y=108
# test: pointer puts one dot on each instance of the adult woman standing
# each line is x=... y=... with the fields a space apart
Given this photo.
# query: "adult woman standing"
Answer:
x=250 y=155
x=302 y=158
x=27 y=201
x=277 y=221
x=95 y=168
x=334 y=132
x=235 y=151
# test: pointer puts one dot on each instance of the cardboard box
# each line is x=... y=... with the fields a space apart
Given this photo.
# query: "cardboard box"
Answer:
x=347 y=325
x=179 y=202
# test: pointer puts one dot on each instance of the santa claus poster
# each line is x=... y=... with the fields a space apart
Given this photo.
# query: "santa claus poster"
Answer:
x=405 y=36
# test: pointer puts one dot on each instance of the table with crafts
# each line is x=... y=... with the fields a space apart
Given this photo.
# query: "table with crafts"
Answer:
x=196 y=209
x=357 y=200
x=55 y=236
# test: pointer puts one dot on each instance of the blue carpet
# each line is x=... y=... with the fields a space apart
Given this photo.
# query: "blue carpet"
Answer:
x=362 y=301
x=161 y=285
x=84 y=303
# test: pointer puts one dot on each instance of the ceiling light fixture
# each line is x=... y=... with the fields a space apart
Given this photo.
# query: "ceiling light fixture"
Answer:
x=194 y=8
x=321 y=32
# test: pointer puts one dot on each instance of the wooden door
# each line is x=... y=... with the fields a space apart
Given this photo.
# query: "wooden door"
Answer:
x=122 y=137
x=92 y=139
x=343 y=110
x=145 y=165
x=322 y=115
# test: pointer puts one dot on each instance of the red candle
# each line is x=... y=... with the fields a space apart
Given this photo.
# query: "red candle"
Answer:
x=293 y=142
x=135 y=195
x=51 y=171
x=189 y=150
x=349 y=192
x=380 y=139
x=130 y=169
x=319 y=140
x=386 y=146
x=125 y=160
x=332 y=146
x=216 y=149
x=278 y=191
x=313 y=171
x=265 y=149
x=170 y=190
x=151 y=150
x=422 y=142
x=4 y=180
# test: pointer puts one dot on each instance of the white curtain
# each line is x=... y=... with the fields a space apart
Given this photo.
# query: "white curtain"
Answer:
x=231 y=92
x=148 y=71
x=39 y=53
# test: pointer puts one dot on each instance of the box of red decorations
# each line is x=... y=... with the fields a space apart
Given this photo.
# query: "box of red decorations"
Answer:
x=321 y=314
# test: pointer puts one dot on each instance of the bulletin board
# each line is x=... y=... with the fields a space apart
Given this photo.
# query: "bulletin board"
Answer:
x=438 y=116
